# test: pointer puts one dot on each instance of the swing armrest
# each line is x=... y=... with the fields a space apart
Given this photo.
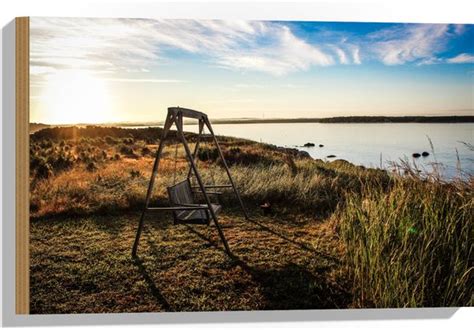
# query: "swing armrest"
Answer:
x=213 y=186
x=195 y=206
x=181 y=207
x=208 y=192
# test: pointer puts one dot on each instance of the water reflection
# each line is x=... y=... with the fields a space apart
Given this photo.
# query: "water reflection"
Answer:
x=372 y=145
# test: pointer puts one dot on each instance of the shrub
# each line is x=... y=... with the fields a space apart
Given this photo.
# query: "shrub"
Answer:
x=84 y=156
x=44 y=170
x=135 y=173
x=207 y=154
x=128 y=141
x=45 y=144
x=62 y=162
x=146 y=151
x=91 y=167
x=126 y=150
x=110 y=140
x=249 y=156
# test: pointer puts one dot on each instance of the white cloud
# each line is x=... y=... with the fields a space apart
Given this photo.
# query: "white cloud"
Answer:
x=356 y=55
x=124 y=44
x=284 y=53
x=459 y=29
x=461 y=58
x=409 y=43
x=135 y=45
x=342 y=56
x=429 y=61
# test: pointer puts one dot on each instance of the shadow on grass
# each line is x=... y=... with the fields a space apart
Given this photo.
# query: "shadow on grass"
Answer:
x=151 y=285
x=296 y=243
x=295 y=287
x=292 y=286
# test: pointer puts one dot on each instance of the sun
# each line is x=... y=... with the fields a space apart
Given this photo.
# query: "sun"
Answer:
x=75 y=97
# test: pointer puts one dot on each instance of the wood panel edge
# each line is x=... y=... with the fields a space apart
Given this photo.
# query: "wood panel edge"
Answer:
x=22 y=98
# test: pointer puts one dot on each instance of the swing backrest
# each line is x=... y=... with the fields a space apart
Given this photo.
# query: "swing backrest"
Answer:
x=181 y=193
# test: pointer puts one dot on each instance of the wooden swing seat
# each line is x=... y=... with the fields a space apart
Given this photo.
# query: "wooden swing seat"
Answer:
x=185 y=208
x=182 y=194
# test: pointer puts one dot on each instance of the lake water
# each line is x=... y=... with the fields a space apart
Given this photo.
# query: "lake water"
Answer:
x=371 y=145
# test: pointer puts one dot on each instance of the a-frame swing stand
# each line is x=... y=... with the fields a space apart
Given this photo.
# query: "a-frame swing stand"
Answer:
x=175 y=116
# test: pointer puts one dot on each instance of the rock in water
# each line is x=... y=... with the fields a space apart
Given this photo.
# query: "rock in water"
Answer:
x=321 y=145
x=331 y=156
x=309 y=144
x=425 y=153
x=416 y=155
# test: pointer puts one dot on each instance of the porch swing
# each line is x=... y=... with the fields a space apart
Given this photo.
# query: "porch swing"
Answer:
x=182 y=195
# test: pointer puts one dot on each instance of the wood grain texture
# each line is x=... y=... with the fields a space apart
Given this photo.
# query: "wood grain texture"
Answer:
x=22 y=99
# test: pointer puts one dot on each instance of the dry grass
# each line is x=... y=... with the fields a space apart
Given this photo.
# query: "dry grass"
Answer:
x=84 y=265
x=341 y=235
x=410 y=246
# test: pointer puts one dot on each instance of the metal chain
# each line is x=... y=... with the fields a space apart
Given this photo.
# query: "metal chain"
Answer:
x=175 y=163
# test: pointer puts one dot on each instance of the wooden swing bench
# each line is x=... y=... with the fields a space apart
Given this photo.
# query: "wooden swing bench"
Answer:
x=182 y=195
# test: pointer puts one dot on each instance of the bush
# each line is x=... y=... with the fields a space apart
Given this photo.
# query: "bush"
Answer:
x=146 y=151
x=134 y=173
x=43 y=170
x=62 y=162
x=128 y=141
x=127 y=151
x=91 y=167
x=207 y=154
x=110 y=140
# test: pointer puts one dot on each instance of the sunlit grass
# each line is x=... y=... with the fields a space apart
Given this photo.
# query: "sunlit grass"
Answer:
x=404 y=238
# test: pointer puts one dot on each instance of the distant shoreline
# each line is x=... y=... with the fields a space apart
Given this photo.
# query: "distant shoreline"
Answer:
x=352 y=120
x=330 y=120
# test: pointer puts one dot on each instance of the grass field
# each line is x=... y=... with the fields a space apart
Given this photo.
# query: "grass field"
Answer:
x=340 y=236
x=84 y=265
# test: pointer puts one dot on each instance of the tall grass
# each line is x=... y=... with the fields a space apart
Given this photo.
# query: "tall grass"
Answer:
x=410 y=245
x=303 y=185
x=407 y=235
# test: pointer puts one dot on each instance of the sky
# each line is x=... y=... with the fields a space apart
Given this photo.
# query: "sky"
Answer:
x=86 y=70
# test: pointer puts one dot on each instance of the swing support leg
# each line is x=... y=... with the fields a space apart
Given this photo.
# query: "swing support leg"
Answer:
x=154 y=172
x=179 y=122
x=196 y=147
x=236 y=192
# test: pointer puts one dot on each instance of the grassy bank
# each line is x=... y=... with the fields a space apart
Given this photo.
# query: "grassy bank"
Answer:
x=411 y=245
x=340 y=235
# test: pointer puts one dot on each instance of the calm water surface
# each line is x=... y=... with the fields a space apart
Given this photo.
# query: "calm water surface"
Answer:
x=372 y=145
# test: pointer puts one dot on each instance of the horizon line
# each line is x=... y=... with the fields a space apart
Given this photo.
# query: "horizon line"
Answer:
x=262 y=120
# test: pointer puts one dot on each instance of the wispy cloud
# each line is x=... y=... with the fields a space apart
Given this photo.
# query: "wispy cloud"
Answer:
x=283 y=53
x=118 y=44
x=461 y=58
x=342 y=56
x=132 y=80
x=409 y=43
x=111 y=46
x=356 y=55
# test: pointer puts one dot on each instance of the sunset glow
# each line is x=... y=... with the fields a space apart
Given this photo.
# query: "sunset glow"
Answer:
x=130 y=70
x=75 y=97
